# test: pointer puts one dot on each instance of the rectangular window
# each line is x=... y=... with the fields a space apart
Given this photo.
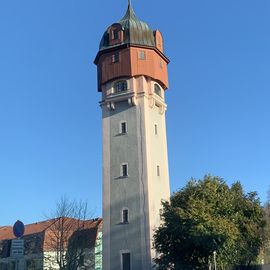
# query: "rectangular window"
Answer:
x=142 y=55
x=120 y=86
x=125 y=218
x=123 y=127
x=156 y=130
x=115 y=57
x=115 y=34
x=124 y=170
x=158 y=170
x=126 y=261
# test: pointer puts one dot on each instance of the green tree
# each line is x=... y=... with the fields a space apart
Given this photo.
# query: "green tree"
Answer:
x=265 y=252
x=206 y=216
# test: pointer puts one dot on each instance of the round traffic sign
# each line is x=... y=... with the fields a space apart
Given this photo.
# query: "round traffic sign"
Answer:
x=18 y=228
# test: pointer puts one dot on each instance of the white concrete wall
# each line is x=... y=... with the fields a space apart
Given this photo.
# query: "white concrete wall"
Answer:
x=142 y=191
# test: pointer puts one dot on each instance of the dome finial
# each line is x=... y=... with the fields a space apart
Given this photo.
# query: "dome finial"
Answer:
x=130 y=14
x=130 y=5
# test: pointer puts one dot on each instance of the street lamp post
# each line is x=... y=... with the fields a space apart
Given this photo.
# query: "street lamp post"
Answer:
x=215 y=261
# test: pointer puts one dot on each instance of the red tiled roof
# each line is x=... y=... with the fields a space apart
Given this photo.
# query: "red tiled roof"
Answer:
x=6 y=232
x=89 y=228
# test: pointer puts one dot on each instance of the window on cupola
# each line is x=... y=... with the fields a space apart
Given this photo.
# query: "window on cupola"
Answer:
x=120 y=86
x=157 y=90
x=115 y=34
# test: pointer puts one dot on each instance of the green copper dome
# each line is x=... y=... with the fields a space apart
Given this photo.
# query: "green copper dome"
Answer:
x=135 y=32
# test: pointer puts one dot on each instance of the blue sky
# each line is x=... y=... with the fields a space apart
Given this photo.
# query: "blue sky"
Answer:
x=50 y=121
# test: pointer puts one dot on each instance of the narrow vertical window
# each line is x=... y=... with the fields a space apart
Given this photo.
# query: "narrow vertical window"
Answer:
x=157 y=89
x=124 y=168
x=123 y=127
x=142 y=55
x=126 y=261
x=115 y=34
x=158 y=170
x=115 y=57
x=125 y=216
x=156 y=130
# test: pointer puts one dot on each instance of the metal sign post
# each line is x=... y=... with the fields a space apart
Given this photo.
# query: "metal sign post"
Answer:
x=17 y=245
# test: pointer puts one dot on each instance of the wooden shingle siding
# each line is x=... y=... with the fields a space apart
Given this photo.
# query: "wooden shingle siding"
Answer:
x=130 y=65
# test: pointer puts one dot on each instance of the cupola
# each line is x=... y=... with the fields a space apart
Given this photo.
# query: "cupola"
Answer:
x=129 y=30
x=131 y=48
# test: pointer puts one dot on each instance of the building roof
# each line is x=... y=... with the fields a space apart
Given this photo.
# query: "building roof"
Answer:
x=6 y=232
x=42 y=236
x=86 y=229
x=136 y=32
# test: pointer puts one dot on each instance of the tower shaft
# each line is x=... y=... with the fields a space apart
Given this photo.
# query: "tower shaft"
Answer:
x=143 y=148
x=132 y=76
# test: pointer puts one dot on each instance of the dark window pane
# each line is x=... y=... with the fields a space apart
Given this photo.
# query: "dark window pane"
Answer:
x=157 y=90
x=125 y=216
x=124 y=170
x=126 y=261
x=115 y=34
x=123 y=127
x=120 y=86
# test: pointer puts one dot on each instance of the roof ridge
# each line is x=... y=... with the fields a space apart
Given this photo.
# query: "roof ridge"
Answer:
x=6 y=226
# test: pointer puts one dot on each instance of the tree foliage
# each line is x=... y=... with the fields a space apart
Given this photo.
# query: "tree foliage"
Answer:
x=206 y=216
x=265 y=252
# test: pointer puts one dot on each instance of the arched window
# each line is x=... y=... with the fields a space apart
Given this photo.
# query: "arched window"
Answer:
x=157 y=89
x=120 y=86
x=125 y=215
